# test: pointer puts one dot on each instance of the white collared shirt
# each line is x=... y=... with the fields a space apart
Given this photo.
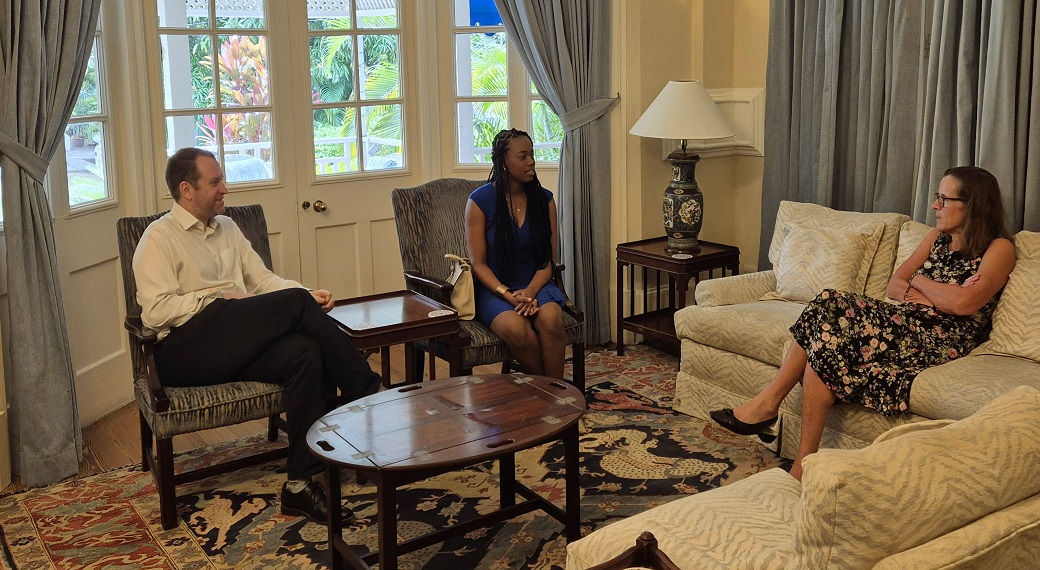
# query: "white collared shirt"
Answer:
x=181 y=265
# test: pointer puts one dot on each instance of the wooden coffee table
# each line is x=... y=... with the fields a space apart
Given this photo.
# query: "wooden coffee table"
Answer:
x=414 y=432
x=376 y=322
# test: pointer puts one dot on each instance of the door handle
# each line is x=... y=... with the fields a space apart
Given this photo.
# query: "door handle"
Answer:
x=320 y=206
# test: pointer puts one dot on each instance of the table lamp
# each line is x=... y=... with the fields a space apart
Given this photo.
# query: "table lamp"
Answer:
x=684 y=111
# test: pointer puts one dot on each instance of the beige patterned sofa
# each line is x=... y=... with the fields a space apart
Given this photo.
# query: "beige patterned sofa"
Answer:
x=735 y=337
x=940 y=494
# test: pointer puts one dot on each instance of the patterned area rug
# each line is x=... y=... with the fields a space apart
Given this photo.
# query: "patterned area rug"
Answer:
x=637 y=454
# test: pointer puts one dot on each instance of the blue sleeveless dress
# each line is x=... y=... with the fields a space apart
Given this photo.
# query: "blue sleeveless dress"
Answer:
x=489 y=305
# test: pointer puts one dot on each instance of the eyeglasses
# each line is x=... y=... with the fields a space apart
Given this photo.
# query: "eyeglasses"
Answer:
x=944 y=199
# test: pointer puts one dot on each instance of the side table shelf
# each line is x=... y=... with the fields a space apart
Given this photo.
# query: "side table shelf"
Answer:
x=650 y=254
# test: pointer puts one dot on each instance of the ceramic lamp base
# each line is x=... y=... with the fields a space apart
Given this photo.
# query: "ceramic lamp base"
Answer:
x=683 y=205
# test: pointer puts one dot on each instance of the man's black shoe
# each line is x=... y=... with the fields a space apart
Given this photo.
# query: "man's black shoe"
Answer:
x=310 y=502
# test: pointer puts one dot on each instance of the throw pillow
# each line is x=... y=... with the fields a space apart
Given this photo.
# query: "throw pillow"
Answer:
x=814 y=259
x=1014 y=321
x=910 y=236
x=861 y=506
x=794 y=214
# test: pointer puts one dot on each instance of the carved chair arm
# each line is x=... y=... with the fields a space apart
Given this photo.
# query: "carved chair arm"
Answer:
x=148 y=339
x=436 y=289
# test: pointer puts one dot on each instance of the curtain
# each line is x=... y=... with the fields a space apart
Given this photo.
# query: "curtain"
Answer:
x=564 y=44
x=982 y=95
x=44 y=47
x=868 y=103
x=842 y=110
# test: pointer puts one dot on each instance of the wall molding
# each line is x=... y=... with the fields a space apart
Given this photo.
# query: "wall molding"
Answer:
x=744 y=108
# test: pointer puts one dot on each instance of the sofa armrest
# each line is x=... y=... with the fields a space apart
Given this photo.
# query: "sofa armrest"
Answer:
x=735 y=289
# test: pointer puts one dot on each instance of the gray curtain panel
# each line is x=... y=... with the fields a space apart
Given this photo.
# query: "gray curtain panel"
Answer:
x=982 y=101
x=565 y=47
x=868 y=103
x=44 y=46
x=842 y=109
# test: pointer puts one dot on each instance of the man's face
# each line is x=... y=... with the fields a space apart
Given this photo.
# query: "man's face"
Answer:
x=205 y=199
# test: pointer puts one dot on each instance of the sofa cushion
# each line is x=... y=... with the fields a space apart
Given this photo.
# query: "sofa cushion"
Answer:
x=976 y=380
x=911 y=234
x=747 y=524
x=814 y=259
x=1008 y=538
x=757 y=330
x=1015 y=330
x=791 y=214
x=918 y=486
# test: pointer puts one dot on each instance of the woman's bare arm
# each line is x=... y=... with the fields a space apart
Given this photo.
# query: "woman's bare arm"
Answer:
x=997 y=264
x=898 y=287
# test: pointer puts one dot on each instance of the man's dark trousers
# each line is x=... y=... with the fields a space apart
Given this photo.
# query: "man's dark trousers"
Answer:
x=284 y=338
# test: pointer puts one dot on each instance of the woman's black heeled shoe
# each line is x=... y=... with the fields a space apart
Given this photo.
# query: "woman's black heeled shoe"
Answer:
x=726 y=419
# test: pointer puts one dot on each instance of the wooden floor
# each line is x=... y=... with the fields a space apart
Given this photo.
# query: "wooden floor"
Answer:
x=114 y=440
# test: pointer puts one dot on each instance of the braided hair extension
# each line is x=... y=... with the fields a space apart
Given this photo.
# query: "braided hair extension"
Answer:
x=537 y=209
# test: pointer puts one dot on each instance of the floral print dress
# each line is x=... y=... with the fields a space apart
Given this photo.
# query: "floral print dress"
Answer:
x=868 y=351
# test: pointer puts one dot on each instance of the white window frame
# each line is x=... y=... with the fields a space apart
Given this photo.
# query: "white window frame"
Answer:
x=519 y=98
x=57 y=179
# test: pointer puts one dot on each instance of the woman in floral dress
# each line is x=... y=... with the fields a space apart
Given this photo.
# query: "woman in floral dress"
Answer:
x=858 y=349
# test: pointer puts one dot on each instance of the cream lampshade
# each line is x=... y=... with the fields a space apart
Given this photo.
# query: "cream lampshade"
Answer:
x=684 y=111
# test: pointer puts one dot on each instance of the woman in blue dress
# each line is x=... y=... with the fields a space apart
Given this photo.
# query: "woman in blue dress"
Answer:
x=511 y=236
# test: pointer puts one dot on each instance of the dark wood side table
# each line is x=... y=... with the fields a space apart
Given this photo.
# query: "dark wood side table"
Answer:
x=650 y=254
x=376 y=322
x=414 y=432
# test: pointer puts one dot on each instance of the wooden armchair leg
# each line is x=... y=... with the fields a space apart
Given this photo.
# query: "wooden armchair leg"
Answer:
x=578 y=365
x=146 y=443
x=164 y=482
x=419 y=362
x=272 y=428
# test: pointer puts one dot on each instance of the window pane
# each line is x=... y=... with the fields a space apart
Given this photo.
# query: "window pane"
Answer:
x=335 y=141
x=377 y=14
x=89 y=101
x=479 y=122
x=476 y=13
x=480 y=64
x=240 y=14
x=243 y=70
x=381 y=137
x=184 y=13
x=192 y=130
x=84 y=154
x=379 y=68
x=332 y=69
x=247 y=147
x=328 y=15
x=546 y=132
x=187 y=60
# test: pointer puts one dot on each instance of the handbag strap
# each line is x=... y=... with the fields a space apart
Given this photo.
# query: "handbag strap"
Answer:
x=460 y=260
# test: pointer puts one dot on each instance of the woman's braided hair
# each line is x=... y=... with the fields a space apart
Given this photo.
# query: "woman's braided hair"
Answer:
x=537 y=209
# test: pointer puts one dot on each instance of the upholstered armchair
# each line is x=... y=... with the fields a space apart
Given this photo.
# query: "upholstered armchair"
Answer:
x=430 y=223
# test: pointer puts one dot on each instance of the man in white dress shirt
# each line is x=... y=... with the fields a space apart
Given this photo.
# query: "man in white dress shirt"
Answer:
x=221 y=315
